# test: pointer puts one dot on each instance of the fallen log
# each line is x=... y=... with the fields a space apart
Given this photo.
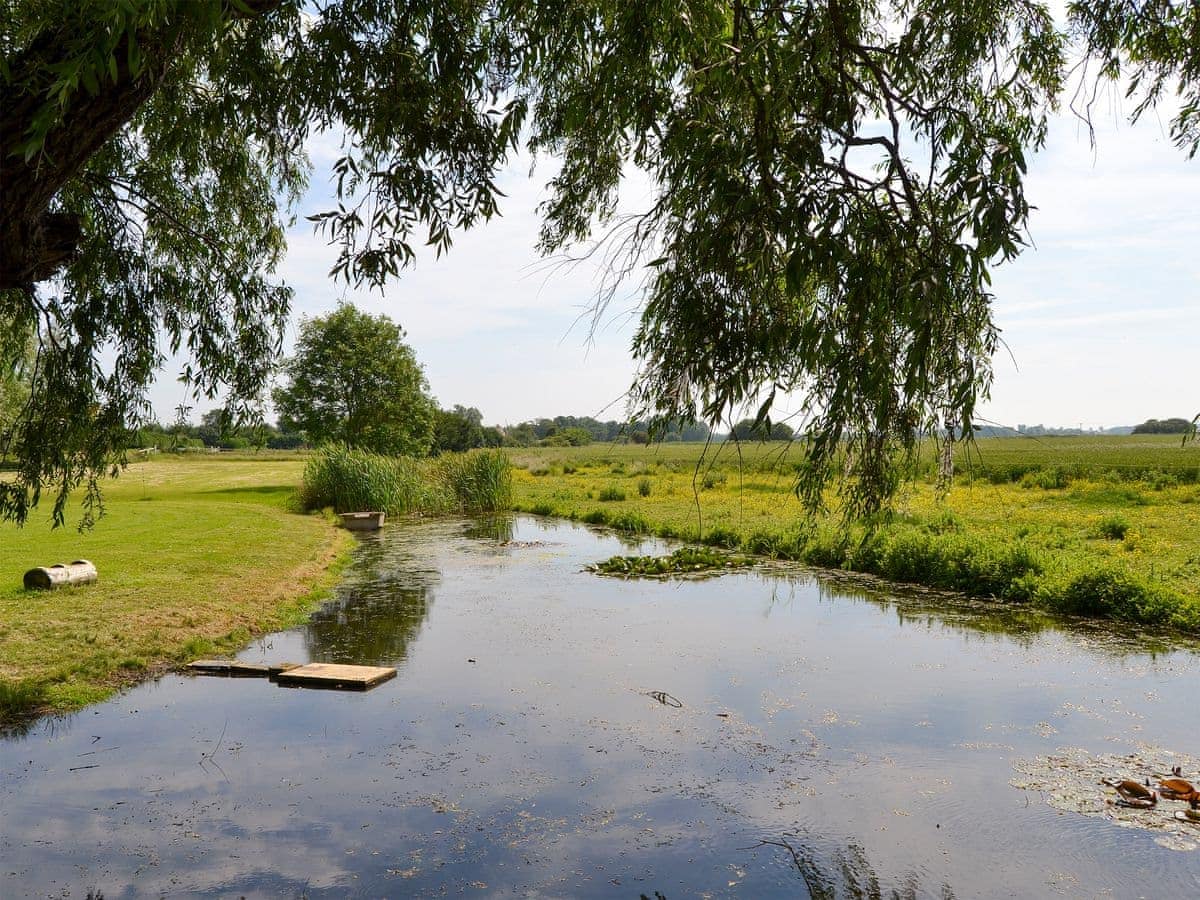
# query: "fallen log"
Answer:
x=47 y=578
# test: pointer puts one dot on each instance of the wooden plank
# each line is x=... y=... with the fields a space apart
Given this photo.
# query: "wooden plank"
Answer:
x=329 y=675
x=276 y=668
x=210 y=666
x=248 y=670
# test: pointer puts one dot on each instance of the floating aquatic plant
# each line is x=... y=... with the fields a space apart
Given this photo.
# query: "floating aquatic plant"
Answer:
x=1072 y=780
x=684 y=561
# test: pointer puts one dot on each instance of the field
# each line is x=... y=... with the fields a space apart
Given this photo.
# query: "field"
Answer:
x=1092 y=526
x=195 y=556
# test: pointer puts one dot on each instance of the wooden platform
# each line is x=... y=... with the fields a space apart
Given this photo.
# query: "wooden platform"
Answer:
x=328 y=675
x=229 y=667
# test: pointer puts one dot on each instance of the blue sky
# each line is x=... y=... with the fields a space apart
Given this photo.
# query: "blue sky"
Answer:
x=1100 y=315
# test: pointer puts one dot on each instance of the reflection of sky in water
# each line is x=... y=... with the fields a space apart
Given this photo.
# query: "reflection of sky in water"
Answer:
x=874 y=737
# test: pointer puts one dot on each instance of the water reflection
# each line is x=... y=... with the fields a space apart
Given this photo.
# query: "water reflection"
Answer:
x=498 y=528
x=831 y=740
x=377 y=611
x=915 y=607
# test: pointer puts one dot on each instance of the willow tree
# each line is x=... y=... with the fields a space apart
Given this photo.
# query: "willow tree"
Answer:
x=834 y=181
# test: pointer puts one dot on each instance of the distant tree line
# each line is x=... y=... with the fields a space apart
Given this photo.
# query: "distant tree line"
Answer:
x=1164 y=426
x=578 y=431
x=353 y=380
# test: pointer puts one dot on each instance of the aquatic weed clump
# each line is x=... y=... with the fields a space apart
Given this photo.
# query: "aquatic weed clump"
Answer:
x=684 y=561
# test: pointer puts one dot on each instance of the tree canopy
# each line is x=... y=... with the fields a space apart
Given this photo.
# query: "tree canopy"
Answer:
x=353 y=380
x=834 y=182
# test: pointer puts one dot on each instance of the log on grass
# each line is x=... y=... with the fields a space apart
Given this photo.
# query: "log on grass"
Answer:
x=61 y=575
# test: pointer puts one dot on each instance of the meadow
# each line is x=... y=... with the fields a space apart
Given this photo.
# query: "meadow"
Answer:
x=196 y=555
x=1106 y=527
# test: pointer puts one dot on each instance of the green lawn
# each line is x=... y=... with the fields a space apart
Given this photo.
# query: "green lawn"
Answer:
x=1107 y=527
x=195 y=556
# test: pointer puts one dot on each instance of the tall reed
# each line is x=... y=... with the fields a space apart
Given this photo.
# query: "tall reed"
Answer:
x=351 y=480
x=479 y=480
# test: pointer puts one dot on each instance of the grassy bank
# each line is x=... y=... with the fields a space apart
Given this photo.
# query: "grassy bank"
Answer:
x=1104 y=527
x=195 y=557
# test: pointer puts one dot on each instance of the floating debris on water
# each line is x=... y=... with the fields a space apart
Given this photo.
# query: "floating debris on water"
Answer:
x=1073 y=780
x=683 y=562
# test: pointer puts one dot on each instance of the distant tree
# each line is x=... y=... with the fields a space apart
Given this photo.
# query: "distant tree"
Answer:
x=285 y=440
x=353 y=379
x=1164 y=426
x=458 y=429
x=752 y=430
x=571 y=436
x=520 y=435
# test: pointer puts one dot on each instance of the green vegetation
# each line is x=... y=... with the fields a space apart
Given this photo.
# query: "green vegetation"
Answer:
x=348 y=480
x=684 y=561
x=353 y=380
x=1165 y=426
x=195 y=556
x=1101 y=527
x=152 y=153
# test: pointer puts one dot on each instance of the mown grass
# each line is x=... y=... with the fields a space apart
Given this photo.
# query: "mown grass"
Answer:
x=1107 y=527
x=195 y=557
x=348 y=480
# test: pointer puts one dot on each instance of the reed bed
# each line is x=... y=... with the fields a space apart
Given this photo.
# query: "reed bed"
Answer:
x=348 y=480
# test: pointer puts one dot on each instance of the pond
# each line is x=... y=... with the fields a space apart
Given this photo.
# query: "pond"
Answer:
x=555 y=733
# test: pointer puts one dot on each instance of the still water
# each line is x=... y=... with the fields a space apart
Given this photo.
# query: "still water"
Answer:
x=818 y=739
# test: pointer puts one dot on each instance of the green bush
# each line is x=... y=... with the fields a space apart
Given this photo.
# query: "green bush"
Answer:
x=1113 y=527
x=644 y=487
x=1115 y=594
x=611 y=494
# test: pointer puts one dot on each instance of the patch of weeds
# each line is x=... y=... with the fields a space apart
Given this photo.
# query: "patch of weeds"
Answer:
x=1054 y=478
x=684 y=561
x=629 y=521
x=1115 y=594
x=643 y=487
x=1160 y=481
x=20 y=698
x=611 y=494
x=1114 y=528
x=722 y=537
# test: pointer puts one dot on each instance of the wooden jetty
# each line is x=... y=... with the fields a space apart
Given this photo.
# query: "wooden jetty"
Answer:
x=329 y=675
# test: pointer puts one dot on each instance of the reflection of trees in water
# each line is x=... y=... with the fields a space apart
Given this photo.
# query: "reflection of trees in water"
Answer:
x=491 y=528
x=379 y=608
x=969 y=617
x=847 y=875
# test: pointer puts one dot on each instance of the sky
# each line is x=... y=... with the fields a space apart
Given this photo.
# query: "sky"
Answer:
x=1099 y=316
